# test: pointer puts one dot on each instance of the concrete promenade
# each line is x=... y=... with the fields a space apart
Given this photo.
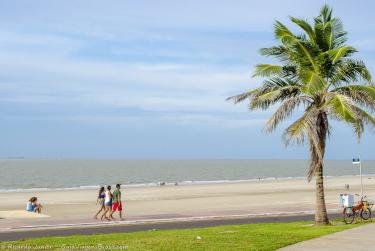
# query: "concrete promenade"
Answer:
x=358 y=239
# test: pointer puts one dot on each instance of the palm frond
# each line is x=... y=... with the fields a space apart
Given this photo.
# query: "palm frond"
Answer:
x=341 y=52
x=363 y=116
x=267 y=70
x=338 y=35
x=328 y=30
x=304 y=25
x=285 y=110
x=350 y=71
x=280 y=52
x=266 y=99
x=305 y=127
x=296 y=132
x=243 y=96
x=290 y=40
x=313 y=82
x=283 y=34
x=341 y=108
x=324 y=16
x=362 y=94
x=273 y=90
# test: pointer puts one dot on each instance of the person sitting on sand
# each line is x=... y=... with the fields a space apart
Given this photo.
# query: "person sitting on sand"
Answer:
x=108 y=204
x=117 y=204
x=33 y=205
x=100 y=202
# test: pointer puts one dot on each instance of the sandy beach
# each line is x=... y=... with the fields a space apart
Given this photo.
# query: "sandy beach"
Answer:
x=222 y=199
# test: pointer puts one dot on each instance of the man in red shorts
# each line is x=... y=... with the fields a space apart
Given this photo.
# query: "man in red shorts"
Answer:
x=116 y=201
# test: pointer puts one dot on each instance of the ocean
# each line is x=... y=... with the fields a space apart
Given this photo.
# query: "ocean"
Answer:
x=44 y=174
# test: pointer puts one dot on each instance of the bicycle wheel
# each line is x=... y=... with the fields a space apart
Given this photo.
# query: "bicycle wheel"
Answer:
x=349 y=215
x=365 y=214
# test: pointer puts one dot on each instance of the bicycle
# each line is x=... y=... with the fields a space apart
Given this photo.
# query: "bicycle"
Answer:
x=362 y=209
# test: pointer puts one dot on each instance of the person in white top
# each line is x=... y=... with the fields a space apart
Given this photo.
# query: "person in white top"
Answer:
x=107 y=204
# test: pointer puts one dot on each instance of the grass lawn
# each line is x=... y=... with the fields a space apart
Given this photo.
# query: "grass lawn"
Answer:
x=266 y=236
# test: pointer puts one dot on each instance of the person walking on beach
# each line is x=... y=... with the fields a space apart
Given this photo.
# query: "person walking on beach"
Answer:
x=108 y=204
x=117 y=203
x=100 y=202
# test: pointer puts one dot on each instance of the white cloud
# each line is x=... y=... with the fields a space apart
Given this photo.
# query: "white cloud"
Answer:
x=39 y=78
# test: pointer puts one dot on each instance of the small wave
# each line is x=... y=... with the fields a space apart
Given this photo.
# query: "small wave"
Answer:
x=43 y=189
x=154 y=184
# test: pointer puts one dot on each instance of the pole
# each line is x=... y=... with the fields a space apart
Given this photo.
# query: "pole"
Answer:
x=360 y=174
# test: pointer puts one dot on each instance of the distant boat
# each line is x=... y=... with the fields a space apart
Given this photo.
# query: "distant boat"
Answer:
x=16 y=157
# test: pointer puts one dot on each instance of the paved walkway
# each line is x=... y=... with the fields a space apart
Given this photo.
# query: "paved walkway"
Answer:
x=133 y=226
x=360 y=238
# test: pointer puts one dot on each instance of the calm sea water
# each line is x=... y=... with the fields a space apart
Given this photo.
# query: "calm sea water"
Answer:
x=51 y=174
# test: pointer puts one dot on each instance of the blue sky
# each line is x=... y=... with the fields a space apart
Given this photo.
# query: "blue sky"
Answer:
x=148 y=79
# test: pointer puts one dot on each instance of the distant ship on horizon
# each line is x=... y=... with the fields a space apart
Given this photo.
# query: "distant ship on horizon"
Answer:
x=15 y=157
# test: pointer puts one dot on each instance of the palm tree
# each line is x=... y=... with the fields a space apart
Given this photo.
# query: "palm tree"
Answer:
x=317 y=72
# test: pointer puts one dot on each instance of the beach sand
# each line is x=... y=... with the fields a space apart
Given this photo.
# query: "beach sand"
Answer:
x=222 y=199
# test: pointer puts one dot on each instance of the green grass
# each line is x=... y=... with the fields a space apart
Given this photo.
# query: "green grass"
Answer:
x=266 y=236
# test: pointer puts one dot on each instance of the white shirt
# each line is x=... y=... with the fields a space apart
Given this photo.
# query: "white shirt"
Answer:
x=107 y=197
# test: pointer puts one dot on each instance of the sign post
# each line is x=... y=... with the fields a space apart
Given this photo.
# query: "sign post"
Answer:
x=357 y=161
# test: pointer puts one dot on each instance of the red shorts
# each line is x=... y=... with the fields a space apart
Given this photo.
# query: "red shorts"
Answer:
x=117 y=206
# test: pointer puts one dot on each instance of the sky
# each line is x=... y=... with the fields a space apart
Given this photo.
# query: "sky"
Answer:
x=148 y=79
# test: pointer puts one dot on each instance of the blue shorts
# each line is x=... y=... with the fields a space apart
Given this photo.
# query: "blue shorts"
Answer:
x=108 y=204
x=31 y=209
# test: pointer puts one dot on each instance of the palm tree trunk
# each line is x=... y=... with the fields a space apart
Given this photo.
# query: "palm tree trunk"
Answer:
x=321 y=216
